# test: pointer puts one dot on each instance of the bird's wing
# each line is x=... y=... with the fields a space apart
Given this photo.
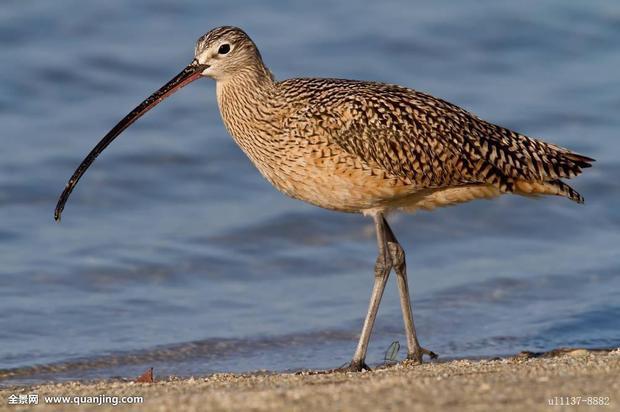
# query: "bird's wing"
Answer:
x=434 y=143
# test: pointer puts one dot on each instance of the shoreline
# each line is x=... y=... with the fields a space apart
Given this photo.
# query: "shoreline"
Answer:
x=527 y=381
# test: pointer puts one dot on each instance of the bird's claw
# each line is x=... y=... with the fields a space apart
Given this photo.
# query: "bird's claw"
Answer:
x=417 y=355
x=354 y=366
x=347 y=367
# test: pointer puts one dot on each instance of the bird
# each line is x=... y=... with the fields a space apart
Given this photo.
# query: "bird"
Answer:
x=361 y=147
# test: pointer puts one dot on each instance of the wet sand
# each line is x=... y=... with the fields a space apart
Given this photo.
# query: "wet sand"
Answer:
x=525 y=382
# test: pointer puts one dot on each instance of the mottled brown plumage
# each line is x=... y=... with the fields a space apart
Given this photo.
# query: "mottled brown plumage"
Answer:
x=361 y=147
x=358 y=146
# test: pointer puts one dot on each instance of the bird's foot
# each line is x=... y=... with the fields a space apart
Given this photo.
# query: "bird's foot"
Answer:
x=354 y=366
x=347 y=367
x=416 y=356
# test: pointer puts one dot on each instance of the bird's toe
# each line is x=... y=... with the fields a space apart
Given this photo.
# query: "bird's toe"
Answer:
x=354 y=366
x=418 y=355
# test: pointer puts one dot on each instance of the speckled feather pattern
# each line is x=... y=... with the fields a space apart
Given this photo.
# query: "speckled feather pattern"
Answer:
x=363 y=146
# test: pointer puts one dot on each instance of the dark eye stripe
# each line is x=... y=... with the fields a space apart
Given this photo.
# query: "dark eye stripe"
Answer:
x=224 y=48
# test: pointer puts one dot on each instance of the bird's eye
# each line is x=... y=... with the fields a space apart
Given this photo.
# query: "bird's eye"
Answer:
x=224 y=48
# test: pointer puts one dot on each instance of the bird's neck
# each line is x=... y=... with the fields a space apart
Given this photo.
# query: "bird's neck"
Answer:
x=246 y=103
x=251 y=84
x=252 y=113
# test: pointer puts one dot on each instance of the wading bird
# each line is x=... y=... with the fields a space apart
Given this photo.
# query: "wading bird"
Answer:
x=362 y=147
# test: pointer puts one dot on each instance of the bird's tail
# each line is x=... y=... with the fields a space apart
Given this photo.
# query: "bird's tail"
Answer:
x=552 y=187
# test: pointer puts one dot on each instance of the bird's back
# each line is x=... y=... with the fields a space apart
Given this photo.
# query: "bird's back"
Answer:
x=424 y=141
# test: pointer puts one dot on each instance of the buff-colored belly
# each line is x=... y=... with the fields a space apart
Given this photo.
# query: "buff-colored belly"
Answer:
x=344 y=183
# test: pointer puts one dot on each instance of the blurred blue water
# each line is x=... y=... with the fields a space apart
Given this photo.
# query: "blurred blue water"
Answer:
x=173 y=251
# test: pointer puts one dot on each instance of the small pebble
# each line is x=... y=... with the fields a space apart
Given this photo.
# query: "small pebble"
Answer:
x=578 y=353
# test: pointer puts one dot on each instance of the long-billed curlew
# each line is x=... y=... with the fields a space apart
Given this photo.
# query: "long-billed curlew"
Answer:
x=361 y=147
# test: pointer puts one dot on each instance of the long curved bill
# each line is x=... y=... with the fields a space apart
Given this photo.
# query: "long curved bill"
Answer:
x=188 y=75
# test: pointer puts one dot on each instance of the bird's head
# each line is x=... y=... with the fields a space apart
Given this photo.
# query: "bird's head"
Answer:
x=226 y=51
x=220 y=54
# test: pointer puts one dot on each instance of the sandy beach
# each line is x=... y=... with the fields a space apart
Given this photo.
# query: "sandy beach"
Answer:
x=524 y=382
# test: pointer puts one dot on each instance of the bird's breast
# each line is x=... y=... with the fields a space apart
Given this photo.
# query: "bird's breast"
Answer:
x=305 y=164
x=315 y=171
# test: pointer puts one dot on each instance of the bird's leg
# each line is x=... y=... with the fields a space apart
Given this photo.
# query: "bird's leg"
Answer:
x=382 y=271
x=397 y=255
